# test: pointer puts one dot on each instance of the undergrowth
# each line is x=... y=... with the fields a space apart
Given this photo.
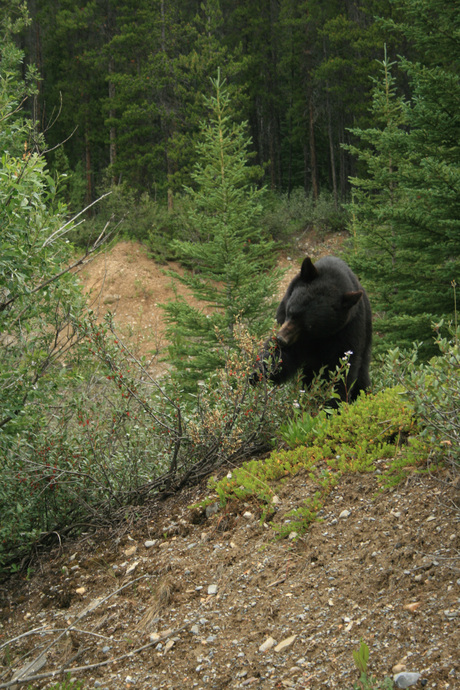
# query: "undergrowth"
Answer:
x=379 y=432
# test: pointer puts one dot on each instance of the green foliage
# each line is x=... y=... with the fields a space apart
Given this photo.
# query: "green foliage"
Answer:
x=38 y=295
x=361 y=657
x=367 y=436
x=230 y=254
x=39 y=300
x=115 y=434
x=434 y=389
x=405 y=218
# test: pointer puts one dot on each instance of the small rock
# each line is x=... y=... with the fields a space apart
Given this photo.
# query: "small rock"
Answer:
x=212 y=589
x=154 y=637
x=413 y=606
x=268 y=644
x=212 y=509
x=247 y=515
x=398 y=668
x=406 y=679
x=110 y=299
x=195 y=630
x=344 y=514
x=168 y=645
x=149 y=543
x=292 y=536
x=132 y=567
x=450 y=615
x=131 y=551
x=81 y=590
x=285 y=643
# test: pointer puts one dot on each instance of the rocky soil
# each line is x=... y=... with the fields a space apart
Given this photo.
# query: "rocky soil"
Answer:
x=181 y=598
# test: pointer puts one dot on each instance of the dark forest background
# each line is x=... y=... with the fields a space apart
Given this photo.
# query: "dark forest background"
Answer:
x=121 y=83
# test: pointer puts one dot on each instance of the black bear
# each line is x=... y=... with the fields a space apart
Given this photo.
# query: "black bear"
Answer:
x=324 y=314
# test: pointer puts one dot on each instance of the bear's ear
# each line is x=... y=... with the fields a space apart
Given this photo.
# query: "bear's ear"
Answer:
x=307 y=271
x=349 y=299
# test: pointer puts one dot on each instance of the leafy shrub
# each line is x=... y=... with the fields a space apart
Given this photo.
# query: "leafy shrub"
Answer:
x=434 y=389
x=115 y=434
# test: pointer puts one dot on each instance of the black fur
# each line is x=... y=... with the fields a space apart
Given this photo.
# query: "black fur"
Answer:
x=324 y=314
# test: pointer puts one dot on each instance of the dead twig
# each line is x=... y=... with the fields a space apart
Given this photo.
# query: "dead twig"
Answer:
x=24 y=678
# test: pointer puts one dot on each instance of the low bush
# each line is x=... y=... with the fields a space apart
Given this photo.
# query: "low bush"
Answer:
x=116 y=434
x=433 y=388
x=378 y=432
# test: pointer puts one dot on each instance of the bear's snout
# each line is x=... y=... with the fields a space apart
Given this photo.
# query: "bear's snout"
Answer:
x=288 y=334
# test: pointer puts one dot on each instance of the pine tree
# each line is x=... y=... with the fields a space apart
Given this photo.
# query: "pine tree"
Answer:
x=408 y=220
x=230 y=255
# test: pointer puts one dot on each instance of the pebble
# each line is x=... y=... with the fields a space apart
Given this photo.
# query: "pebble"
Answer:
x=268 y=644
x=406 y=679
x=149 y=543
x=132 y=567
x=344 y=514
x=285 y=643
x=212 y=509
x=398 y=668
x=212 y=589
x=413 y=606
x=168 y=645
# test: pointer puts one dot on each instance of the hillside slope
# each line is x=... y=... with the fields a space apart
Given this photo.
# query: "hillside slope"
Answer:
x=172 y=599
x=175 y=598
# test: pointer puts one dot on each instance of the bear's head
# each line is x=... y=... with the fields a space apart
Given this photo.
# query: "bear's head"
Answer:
x=317 y=306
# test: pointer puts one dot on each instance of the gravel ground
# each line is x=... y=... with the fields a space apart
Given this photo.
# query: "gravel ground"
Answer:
x=175 y=599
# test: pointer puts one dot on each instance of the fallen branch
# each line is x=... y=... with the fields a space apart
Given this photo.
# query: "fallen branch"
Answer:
x=24 y=678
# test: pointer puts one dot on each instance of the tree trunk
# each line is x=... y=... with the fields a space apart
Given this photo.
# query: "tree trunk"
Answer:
x=314 y=172
x=88 y=171
x=113 y=131
x=331 y=149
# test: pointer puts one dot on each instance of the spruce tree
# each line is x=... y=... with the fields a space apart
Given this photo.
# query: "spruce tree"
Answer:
x=407 y=219
x=229 y=257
